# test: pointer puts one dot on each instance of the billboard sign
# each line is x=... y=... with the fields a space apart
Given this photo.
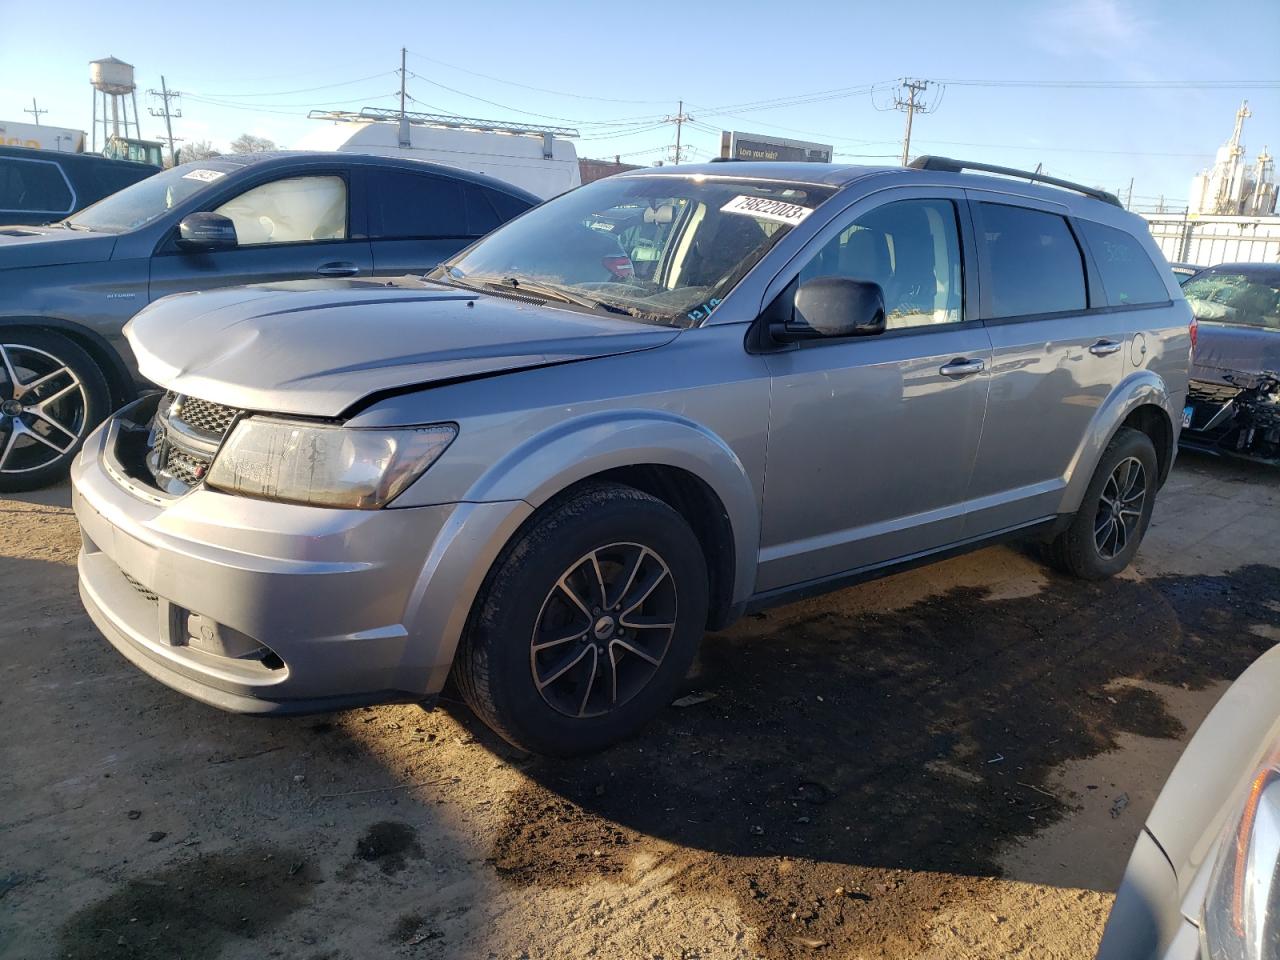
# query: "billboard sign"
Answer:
x=735 y=145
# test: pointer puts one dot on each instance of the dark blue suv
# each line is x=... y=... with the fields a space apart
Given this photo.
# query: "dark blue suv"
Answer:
x=67 y=290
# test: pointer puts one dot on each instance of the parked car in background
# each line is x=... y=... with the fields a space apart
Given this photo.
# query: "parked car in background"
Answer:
x=1204 y=879
x=41 y=186
x=67 y=290
x=546 y=472
x=1233 y=403
x=1184 y=271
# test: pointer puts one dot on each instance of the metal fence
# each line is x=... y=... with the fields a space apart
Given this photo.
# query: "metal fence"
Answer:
x=1209 y=240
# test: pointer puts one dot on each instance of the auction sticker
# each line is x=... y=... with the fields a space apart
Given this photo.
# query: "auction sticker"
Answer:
x=779 y=211
x=204 y=176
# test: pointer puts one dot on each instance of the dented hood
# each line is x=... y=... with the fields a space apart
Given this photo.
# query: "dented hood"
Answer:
x=1223 y=349
x=317 y=347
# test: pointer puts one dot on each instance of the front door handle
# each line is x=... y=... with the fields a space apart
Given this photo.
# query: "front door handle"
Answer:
x=339 y=268
x=1105 y=348
x=962 y=367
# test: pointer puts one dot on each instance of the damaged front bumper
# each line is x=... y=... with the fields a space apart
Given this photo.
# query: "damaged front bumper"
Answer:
x=1237 y=414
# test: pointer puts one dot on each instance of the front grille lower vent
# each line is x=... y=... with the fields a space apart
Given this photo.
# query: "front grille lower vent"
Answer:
x=149 y=594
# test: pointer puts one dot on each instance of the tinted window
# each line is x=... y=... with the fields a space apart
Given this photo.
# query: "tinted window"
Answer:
x=413 y=205
x=506 y=205
x=912 y=249
x=481 y=217
x=1128 y=276
x=33 y=186
x=1034 y=260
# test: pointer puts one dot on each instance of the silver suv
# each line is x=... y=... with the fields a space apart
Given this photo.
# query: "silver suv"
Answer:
x=628 y=416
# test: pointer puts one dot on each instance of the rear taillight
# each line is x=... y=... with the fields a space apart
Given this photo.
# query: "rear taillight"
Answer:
x=620 y=266
x=1195 y=333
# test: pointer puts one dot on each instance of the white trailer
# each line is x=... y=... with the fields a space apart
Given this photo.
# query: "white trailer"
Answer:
x=536 y=158
x=39 y=137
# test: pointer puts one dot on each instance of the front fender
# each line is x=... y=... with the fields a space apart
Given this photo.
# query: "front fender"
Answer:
x=549 y=462
x=1140 y=388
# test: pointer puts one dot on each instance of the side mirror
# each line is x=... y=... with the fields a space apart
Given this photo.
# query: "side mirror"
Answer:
x=207 y=232
x=833 y=307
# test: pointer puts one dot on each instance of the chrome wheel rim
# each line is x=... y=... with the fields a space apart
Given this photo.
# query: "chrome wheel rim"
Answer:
x=1120 y=508
x=42 y=409
x=603 y=630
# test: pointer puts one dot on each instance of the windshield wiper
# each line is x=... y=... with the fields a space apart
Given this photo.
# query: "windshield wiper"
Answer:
x=517 y=285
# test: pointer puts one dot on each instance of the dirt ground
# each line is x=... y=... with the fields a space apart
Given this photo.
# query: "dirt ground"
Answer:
x=950 y=763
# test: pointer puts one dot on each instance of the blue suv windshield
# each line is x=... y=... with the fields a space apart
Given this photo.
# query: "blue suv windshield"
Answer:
x=663 y=249
x=150 y=199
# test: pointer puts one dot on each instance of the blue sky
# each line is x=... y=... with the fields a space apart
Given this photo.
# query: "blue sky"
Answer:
x=615 y=70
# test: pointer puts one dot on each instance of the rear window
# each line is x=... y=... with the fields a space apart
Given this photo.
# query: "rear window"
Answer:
x=33 y=186
x=1128 y=275
x=1034 y=262
x=416 y=205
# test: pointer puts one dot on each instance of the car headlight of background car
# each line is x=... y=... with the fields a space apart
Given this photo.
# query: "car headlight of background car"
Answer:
x=1242 y=908
x=325 y=465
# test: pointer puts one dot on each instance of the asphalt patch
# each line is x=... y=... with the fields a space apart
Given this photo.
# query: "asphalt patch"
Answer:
x=845 y=748
x=191 y=910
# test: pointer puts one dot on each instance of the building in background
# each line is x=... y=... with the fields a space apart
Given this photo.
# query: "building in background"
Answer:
x=592 y=170
x=1233 y=186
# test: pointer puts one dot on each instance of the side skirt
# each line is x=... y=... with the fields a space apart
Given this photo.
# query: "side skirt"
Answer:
x=1045 y=526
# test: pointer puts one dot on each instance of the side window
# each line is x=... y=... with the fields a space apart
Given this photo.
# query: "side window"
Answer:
x=295 y=210
x=481 y=217
x=1128 y=275
x=406 y=205
x=1035 y=262
x=912 y=249
x=508 y=207
x=31 y=186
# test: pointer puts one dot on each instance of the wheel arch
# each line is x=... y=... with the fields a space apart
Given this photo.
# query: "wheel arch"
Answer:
x=674 y=459
x=1141 y=402
x=119 y=380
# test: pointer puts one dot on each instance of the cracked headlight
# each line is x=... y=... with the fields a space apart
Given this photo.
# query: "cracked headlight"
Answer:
x=1242 y=908
x=325 y=465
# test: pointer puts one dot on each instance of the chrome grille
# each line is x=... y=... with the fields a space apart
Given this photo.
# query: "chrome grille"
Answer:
x=186 y=435
x=205 y=416
x=1203 y=391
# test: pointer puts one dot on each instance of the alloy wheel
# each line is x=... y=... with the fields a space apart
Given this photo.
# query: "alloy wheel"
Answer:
x=603 y=630
x=42 y=408
x=1120 y=508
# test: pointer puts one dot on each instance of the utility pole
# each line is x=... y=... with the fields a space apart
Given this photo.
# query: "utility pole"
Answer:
x=405 y=140
x=168 y=112
x=35 y=111
x=911 y=105
x=1128 y=203
x=680 y=119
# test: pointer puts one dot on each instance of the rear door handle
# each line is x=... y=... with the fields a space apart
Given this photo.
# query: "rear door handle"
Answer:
x=961 y=367
x=1105 y=348
x=339 y=268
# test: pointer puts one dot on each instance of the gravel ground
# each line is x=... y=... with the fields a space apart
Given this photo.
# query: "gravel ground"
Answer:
x=950 y=763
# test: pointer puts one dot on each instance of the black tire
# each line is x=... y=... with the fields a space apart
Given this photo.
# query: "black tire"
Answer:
x=1089 y=548
x=77 y=400
x=496 y=662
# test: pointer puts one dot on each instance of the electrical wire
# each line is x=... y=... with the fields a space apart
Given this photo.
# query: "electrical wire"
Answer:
x=285 y=93
x=525 y=86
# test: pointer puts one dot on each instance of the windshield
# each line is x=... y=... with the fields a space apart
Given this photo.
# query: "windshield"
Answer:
x=1249 y=298
x=148 y=199
x=661 y=249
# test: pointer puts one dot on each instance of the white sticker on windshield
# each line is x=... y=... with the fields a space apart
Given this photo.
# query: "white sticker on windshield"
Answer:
x=763 y=208
x=204 y=176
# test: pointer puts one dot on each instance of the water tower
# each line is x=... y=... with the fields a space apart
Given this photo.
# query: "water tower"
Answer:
x=112 y=82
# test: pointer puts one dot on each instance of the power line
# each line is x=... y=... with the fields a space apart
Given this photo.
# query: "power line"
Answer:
x=286 y=93
x=620 y=121
x=680 y=119
x=35 y=111
x=525 y=86
x=911 y=105
x=168 y=112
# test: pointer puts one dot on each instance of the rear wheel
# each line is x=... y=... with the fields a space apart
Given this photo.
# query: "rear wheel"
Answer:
x=51 y=395
x=1113 y=517
x=587 y=623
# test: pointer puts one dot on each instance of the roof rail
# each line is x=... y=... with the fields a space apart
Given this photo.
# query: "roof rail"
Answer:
x=443 y=120
x=957 y=166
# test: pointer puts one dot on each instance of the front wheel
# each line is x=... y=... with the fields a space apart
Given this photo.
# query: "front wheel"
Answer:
x=1113 y=517
x=51 y=395
x=587 y=623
